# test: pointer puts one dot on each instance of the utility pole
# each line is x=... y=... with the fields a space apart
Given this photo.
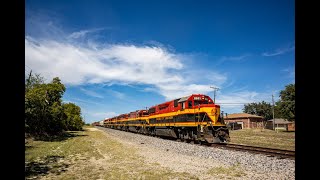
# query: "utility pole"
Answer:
x=273 y=112
x=214 y=93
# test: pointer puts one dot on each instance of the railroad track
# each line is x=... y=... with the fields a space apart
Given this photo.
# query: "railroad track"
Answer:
x=271 y=152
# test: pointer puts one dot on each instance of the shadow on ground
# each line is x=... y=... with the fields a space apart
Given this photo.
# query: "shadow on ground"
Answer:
x=43 y=167
x=289 y=131
x=59 y=137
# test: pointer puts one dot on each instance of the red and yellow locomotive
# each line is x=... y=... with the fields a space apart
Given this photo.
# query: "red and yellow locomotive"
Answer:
x=195 y=117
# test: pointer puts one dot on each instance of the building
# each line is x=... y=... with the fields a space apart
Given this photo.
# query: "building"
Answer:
x=246 y=120
x=281 y=124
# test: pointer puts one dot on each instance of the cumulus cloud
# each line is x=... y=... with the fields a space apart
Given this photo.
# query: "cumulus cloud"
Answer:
x=78 y=64
x=161 y=69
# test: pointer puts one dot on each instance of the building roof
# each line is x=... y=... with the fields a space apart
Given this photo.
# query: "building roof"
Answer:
x=241 y=115
x=280 y=121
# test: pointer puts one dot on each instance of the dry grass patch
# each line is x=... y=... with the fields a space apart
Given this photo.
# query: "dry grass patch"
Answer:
x=264 y=138
x=91 y=155
x=234 y=171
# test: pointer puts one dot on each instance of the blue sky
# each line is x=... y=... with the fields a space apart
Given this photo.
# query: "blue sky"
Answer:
x=119 y=56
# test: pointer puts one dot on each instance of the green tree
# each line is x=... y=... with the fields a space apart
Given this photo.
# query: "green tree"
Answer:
x=260 y=109
x=73 y=120
x=286 y=104
x=43 y=110
x=33 y=80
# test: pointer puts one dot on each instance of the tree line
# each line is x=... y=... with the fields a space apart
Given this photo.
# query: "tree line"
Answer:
x=284 y=107
x=45 y=113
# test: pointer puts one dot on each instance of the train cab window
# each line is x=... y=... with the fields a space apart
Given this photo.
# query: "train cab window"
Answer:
x=196 y=103
x=182 y=105
x=152 y=110
x=175 y=102
x=189 y=104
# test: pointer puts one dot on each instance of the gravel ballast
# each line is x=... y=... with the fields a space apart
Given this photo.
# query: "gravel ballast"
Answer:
x=205 y=162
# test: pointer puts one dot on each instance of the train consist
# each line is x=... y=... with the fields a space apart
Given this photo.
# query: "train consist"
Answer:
x=190 y=118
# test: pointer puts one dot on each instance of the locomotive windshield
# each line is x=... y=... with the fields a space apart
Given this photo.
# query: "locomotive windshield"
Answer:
x=203 y=100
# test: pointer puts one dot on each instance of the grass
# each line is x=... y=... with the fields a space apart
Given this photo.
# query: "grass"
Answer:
x=264 y=138
x=91 y=155
x=227 y=172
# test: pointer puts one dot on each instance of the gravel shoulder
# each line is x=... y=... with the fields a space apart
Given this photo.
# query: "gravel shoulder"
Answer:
x=204 y=162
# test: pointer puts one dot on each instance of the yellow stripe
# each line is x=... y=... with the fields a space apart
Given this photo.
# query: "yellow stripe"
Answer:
x=212 y=112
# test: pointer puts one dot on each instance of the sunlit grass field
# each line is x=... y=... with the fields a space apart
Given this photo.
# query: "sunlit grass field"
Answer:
x=264 y=138
x=90 y=154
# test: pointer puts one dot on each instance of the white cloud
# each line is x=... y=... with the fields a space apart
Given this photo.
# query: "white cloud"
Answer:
x=279 y=51
x=233 y=58
x=179 y=90
x=163 y=71
x=104 y=114
x=83 y=33
x=78 y=64
x=81 y=101
x=91 y=93
x=117 y=94
x=239 y=97
x=235 y=101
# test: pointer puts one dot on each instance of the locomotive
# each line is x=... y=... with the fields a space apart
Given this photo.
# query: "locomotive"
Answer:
x=191 y=118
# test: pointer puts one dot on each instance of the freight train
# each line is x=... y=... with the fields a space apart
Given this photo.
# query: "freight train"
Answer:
x=191 y=118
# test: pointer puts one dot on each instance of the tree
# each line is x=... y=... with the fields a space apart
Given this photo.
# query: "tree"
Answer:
x=42 y=103
x=45 y=114
x=32 y=81
x=260 y=109
x=36 y=113
x=286 y=104
x=73 y=120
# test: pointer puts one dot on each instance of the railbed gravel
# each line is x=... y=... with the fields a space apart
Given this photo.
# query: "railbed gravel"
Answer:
x=199 y=160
